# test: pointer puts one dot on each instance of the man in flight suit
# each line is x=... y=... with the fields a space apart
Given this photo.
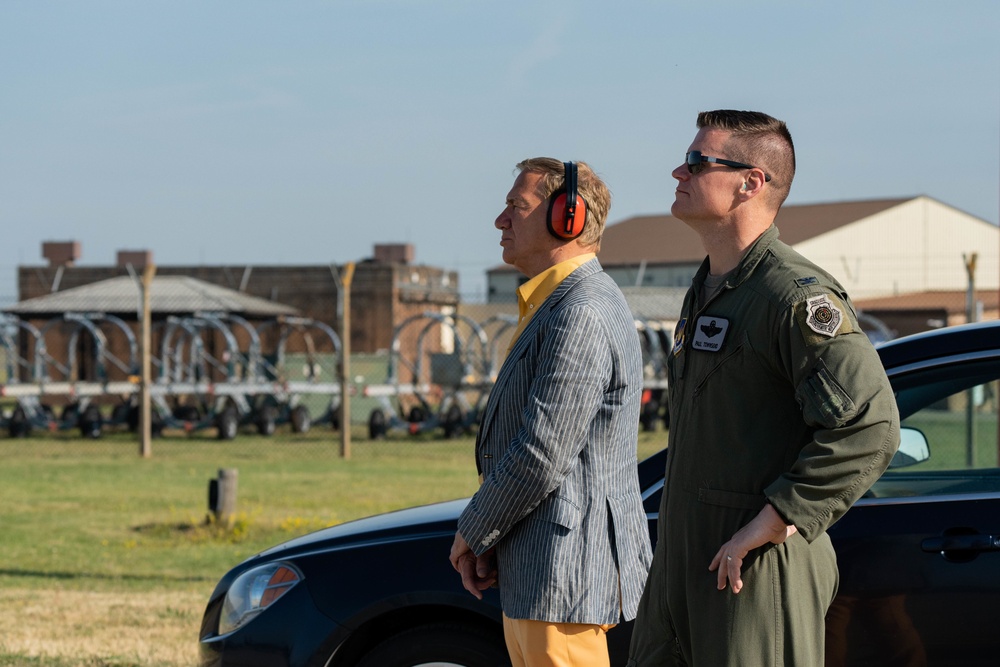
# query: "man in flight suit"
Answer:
x=781 y=417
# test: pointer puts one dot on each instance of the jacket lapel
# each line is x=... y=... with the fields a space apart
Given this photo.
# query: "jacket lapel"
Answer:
x=573 y=279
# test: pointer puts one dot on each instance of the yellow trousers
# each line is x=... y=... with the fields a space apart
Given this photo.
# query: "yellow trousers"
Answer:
x=542 y=644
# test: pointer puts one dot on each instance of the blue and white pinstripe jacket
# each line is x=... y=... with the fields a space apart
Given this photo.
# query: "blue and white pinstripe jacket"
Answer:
x=560 y=498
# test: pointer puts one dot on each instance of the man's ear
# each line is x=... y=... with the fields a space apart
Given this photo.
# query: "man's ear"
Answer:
x=752 y=184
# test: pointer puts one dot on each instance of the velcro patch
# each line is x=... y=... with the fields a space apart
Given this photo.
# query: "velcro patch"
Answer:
x=823 y=316
x=710 y=333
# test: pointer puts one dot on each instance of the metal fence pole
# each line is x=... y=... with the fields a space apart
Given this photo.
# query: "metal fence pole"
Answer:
x=145 y=404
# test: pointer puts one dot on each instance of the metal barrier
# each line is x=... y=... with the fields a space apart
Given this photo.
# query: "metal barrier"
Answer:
x=193 y=389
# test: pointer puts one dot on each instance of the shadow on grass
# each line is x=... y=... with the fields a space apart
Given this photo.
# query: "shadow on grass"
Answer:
x=69 y=576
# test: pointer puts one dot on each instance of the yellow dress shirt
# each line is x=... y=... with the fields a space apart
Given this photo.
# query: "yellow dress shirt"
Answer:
x=532 y=294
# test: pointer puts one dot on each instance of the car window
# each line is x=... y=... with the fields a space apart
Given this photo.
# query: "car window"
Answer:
x=950 y=443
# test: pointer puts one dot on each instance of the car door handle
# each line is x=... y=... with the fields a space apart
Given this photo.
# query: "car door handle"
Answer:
x=961 y=543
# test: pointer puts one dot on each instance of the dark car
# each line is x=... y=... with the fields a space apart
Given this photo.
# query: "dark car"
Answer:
x=918 y=555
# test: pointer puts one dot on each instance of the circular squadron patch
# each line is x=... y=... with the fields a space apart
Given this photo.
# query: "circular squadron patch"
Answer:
x=822 y=316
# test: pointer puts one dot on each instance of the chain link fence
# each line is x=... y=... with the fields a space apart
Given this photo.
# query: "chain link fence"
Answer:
x=261 y=374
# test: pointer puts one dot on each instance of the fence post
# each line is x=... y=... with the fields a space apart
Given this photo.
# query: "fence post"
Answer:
x=222 y=495
x=344 y=311
x=145 y=403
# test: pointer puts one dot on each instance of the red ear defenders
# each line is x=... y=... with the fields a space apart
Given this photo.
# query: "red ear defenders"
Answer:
x=567 y=210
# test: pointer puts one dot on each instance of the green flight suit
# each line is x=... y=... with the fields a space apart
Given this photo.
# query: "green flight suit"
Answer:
x=776 y=395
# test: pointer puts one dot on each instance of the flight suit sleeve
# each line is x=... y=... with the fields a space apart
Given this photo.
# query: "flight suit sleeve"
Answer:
x=847 y=404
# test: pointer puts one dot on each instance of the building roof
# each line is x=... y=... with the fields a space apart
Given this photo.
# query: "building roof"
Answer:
x=663 y=239
x=951 y=302
x=168 y=295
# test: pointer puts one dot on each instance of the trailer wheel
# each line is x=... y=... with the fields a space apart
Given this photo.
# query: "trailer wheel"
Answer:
x=120 y=414
x=19 y=425
x=301 y=419
x=91 y=422
x=376 y=425
x=71 y=414
x=453 y=418
x=228 y=423
x=266 y=420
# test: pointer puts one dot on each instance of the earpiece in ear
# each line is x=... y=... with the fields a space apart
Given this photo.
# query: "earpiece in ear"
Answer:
x=744 y=188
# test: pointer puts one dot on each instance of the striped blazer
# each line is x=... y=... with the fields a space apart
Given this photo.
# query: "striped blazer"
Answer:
x=560 y=499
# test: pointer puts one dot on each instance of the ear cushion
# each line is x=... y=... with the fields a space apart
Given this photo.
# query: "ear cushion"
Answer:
x=565 y=220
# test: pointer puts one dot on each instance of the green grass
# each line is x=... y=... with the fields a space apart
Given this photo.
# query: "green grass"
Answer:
x=94 y=534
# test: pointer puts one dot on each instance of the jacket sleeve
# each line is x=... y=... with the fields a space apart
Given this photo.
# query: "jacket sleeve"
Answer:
x=847 y=403
x=564 y=394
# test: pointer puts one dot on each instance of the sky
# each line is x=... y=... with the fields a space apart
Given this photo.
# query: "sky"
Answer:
x=246 y=132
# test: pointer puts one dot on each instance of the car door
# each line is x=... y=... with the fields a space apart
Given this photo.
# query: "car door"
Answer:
x=919 y=556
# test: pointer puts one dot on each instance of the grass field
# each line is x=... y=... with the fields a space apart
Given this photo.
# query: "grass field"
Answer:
x=107 y=559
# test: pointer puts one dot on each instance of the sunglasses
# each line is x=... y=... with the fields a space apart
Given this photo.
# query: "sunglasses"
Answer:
x=696 y=163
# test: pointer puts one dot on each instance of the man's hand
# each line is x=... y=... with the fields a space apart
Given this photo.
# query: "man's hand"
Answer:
x=478 y=572
x=766 y=527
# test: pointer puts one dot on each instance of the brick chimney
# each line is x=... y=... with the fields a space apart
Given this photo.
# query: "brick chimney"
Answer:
x=61 y=253
x=139 y=259
x=394 y=253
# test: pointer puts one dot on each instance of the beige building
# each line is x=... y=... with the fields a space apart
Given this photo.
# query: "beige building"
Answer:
x=878 y=249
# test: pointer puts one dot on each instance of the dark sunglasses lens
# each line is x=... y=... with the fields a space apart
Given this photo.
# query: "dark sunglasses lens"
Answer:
x=694 y=162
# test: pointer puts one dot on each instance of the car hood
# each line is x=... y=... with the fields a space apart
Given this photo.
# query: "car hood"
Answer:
x=413 y=521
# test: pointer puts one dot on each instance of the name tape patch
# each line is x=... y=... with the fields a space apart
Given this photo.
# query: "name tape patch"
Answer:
x=710 y=333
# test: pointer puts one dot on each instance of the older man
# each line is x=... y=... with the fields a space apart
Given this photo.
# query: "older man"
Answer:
x=558 y=520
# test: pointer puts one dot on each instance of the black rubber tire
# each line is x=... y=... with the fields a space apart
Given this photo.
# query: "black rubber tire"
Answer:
x=453 y=422
x=120 y=414
x=91 y=423
x=228 y=423
x=301 y=419
x=19 y=425
x=376 y=425
x=266 y=419
x=70 y=414
x=440 y=643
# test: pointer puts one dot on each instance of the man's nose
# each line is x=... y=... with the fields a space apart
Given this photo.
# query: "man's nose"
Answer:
x=681 y=172
x=503 y=220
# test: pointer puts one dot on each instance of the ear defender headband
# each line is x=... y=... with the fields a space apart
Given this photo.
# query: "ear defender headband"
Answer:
x=567 y=210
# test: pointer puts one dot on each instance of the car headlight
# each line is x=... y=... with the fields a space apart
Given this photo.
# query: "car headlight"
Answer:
x=254 y=591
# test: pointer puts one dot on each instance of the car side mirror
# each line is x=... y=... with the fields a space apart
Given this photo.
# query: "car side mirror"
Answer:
x=913 y=448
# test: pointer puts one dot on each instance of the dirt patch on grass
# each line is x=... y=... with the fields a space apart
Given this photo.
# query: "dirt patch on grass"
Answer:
x=150 y=629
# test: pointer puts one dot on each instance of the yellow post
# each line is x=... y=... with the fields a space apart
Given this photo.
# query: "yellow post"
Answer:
x=345 y=361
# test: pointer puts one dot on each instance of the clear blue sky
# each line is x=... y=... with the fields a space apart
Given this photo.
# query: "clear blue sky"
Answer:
x=249 y=132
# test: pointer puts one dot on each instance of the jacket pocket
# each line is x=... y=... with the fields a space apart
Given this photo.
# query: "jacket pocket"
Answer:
x=560 y=511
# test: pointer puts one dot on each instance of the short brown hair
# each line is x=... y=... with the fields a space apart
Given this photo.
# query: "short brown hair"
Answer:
x=760 y=140
x=588 y=185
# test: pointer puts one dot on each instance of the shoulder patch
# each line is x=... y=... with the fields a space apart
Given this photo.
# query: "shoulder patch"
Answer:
x=822 y=316
x=805 y=282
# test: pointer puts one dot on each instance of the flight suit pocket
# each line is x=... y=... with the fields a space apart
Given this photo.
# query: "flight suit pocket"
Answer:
x=731 y=499
x=824 y=402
